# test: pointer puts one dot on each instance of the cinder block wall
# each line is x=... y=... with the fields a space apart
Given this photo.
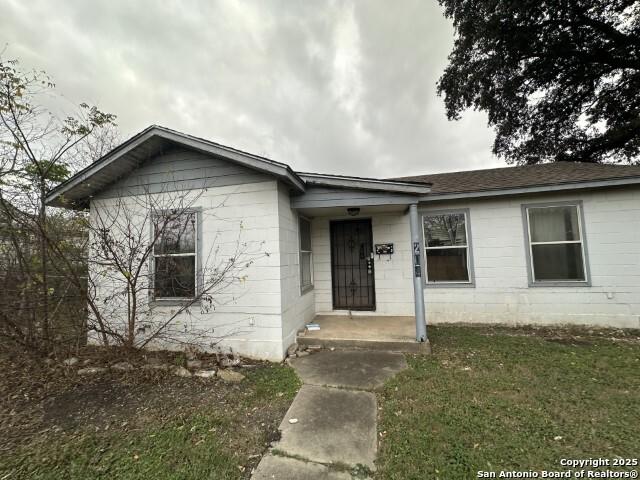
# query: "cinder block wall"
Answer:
x=297 y=308
x=238 y=205
x=502 y=293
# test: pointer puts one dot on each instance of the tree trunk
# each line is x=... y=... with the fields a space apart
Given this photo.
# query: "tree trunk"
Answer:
x=42 y=219
x=131 y=297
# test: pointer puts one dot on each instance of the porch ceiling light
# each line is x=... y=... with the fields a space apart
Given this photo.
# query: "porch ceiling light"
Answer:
x=353 y=211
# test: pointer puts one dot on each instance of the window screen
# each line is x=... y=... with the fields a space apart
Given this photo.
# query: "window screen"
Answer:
x=446 y=247
x=175 y=256
x=306 y=260
x=556 y=244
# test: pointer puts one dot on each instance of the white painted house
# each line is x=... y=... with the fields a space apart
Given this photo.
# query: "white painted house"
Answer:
x=543 y=244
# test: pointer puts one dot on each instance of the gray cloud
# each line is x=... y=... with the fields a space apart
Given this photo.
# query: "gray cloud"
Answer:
x=341 y=87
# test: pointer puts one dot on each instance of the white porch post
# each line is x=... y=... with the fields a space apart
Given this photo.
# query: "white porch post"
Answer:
x=418 y=289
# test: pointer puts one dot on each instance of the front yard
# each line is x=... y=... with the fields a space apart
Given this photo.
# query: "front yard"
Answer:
x=510 y=399
x=138 y=424
x=488 y=398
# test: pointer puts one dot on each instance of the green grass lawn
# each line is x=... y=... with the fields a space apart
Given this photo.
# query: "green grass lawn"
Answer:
x=220 y=436
x=501 y=399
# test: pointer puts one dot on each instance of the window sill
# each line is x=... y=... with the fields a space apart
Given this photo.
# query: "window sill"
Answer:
x=305 y=290
x=449 y=285
x=559 y=284
x=173 y=302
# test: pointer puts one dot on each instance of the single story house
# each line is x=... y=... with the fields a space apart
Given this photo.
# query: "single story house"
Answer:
x=543 y=244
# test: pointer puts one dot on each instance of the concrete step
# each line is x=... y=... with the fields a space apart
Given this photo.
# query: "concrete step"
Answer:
x=348 y=343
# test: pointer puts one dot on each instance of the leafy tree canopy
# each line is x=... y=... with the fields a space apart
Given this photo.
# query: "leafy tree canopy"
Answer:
x=559 y=79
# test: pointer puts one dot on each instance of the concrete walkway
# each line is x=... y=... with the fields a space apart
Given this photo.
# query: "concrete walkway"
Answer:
x=331 y=427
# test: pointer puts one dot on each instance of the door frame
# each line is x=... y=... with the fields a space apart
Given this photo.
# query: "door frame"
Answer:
x=373 y=275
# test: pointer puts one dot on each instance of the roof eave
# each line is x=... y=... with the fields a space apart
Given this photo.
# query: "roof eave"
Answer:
x=434 y=197
x=366 y=183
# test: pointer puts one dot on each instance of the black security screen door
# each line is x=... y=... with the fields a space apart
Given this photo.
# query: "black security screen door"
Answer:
x=352 y=277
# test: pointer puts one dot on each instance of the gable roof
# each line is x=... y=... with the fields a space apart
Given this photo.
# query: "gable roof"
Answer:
x=549 y=176
x=121 y=161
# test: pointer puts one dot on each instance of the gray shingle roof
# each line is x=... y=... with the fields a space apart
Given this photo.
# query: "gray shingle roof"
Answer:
x=523 y=177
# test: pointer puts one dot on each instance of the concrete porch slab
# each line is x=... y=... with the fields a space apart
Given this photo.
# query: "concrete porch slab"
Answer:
x=360 y=369
x=333 y=425
x=390 y=333
x=285 y=468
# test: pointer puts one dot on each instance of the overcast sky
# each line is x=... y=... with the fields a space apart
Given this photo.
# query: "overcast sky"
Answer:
x=337 y=87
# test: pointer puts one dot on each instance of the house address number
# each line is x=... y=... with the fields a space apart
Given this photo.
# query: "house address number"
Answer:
x=417 y=270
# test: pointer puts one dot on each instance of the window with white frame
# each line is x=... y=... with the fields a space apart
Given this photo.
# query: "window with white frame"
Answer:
x=446 y=247
x=306 y=256
x=556 y=243
x=175 y=256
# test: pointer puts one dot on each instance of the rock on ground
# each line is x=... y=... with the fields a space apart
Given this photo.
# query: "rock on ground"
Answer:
x=194 y=363
x=191 y=353
x=122 y=366
x=292 y=349
x=227 y=362
x=159 y=366
x=181 y=372
x=71 y=361
x=92 y=370
x=230 y=376
x=205 y=373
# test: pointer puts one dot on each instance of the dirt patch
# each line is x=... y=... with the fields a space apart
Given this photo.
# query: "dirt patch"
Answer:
x=41 y=397
x=115 y=401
